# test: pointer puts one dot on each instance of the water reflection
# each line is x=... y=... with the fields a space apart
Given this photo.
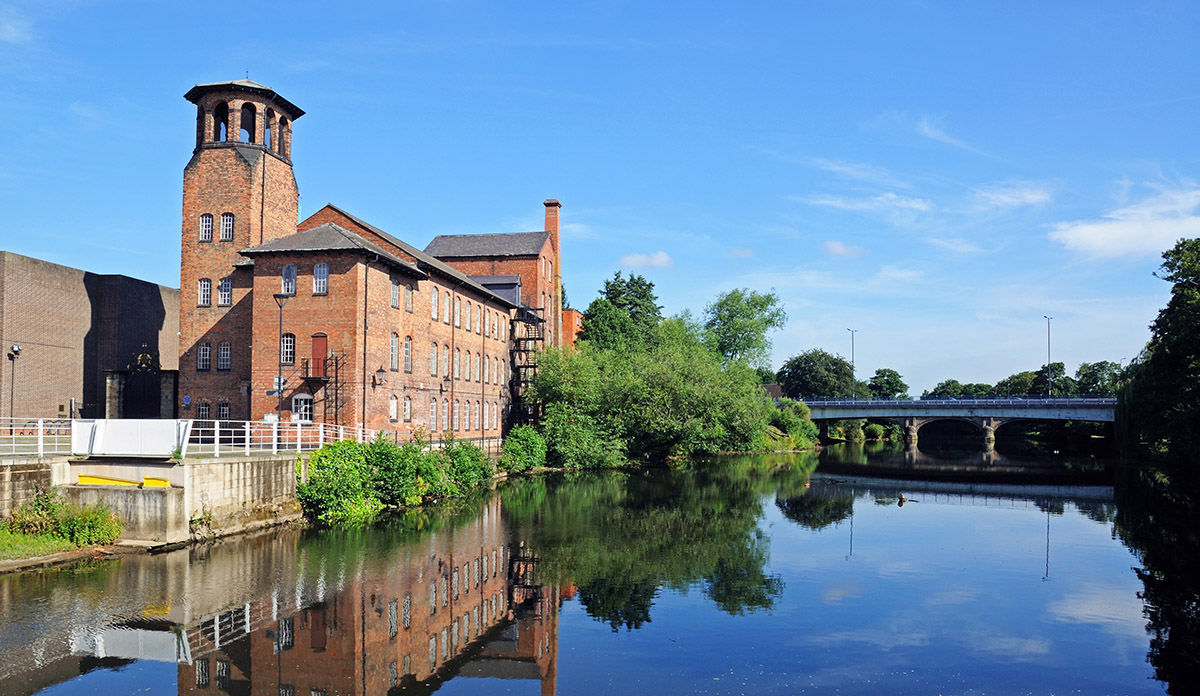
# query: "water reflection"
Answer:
x=955 y=460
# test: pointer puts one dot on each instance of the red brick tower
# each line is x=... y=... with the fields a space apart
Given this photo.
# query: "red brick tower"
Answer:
x=238 y=191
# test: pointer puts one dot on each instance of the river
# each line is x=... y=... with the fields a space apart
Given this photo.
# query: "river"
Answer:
x=736 y=575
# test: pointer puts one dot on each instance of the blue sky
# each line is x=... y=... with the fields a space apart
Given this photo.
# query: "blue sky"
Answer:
x=936 y=175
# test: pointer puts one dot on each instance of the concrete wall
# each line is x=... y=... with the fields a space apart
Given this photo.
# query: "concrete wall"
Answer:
x=22 y=477
x=153 y=514
x=241 y=492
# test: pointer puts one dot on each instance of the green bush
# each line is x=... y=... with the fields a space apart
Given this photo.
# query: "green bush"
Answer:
x=467 y=464
x=792 y=417
x=574 y=441
x=340 y=487
x=407 y=474
x=524 y=449
x=49 y=515
x=873 y=431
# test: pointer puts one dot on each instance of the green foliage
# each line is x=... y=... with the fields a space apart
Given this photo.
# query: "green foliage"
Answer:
x=49 y=515
x=1052 y=379
x=952 y=388
x=340 y=489
x=1103 y=377
x=635 y=297
x=408 y=474
x=873 y=431
x=524 y=449
x=792 y=419
x=887 y=384
x=467 y=465
x=576 y=441
x=737 y=323
x=609 y=328
x=15 y=544
x=818 y=375
x=816 y=511
x=1019 y=384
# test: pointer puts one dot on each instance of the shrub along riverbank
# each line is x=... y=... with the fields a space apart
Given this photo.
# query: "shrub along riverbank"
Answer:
x=48 y=524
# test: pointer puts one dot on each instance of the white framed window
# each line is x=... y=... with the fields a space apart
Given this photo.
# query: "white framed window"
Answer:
x=479 y=321
x=487 y=424
x=223 y=410
x=288 y=280
x=446 y=360
x=457 y=313
x=408 y=298
x=302 y=408
x=225 y=292
x=445 y=415
x=394 y=362
x=224 y=356
x=408 y=354
x=432 y=428
x=479 y=368
x=206 y=225
x=457 y=363
x=393 y=406
x=470 y=311
x=446 y=310
x=321 y=279
x=487 y=363
x=433 y=305
x=468 y=373
x=475 y=417
x=287 y=349
x=203 y=411
x=203 y=356
x=456 y=414
x=226 y=227
x=433 y=358
x=395 y=293
x=407 y=418
x=204 y=293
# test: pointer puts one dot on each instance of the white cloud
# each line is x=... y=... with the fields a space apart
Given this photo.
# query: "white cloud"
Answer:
x=1146 y=227
x=1116 y=610
x=883 y=202
x=837 y=248
x=888 y=275
x=860 y=171
x=741 y=253
x=1011 y=195
x=14 y=29
x=927 y=128
x=959 y=246
x=659 y=259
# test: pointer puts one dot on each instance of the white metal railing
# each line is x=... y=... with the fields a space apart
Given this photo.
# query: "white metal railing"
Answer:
x=35 y=436
x=1033 y=401
x=215 y=437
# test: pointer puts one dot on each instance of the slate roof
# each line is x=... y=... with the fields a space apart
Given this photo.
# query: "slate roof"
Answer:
x=503 y=244
x=293 y=111
x=331 y=237
x=506 y=286
x=425 y=262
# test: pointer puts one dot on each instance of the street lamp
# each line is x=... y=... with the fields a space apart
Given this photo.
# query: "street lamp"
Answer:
x=1049 y=381
x=853 y=380
x=281 y=299
x=13 y=354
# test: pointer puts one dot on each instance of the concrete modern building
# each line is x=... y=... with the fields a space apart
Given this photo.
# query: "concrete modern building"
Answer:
x=85 y=344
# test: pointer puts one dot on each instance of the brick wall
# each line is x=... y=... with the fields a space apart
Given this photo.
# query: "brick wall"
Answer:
x=21 y=478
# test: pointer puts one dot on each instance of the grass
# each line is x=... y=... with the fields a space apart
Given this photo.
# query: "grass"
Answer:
x=17 y=545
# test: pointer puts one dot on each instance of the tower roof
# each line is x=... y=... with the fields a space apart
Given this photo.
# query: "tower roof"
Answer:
x=195 y=93
x=448 y=246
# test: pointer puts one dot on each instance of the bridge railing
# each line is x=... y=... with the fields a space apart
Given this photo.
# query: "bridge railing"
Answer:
x=1031 y=401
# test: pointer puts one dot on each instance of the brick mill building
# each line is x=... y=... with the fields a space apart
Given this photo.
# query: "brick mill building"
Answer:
x=363 y=328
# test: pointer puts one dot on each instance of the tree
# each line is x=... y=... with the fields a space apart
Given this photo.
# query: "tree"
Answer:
x=1018 y=384
x=950 y=388
x=737 y=324
x=1052 y=379
x=1099 y=377
x=610 y=328
x=816 y=374
x=636 y=297
x=887 y=384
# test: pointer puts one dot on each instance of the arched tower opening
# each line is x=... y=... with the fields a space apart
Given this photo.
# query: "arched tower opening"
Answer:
x=249 y=123
x=220 y=122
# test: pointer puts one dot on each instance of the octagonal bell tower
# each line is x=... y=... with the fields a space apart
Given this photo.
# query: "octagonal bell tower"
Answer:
x=238 y=191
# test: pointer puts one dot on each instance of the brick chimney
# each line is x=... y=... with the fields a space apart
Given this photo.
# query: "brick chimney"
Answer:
x=552 y=208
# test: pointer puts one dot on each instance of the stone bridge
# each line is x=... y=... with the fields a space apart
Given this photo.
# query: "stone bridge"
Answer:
x=985 y=413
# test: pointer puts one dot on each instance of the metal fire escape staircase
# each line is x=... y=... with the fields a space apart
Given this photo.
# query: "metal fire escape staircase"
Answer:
x=529 y=337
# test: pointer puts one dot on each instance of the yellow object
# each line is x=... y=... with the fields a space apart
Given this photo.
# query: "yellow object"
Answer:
x=95 y=480
x=155 y=482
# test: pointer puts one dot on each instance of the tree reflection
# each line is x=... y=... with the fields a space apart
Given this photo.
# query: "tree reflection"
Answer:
x=817 y=511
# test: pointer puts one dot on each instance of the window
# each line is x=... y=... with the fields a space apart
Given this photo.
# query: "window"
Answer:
x=406 y=611
x=433 y=305
x=225 y=292
x=445 y=419
x=395 y=293
x=226 y=227
x=287 y=633
x=408 y=354
x=487 y=363
x=392 y=408
x=394 y=362
x=478 y=368
x=446 y=309
x=287 y=349
x=457 y=308
x=446 y=361
x=432 y=428
x=469 y=313
x=202 y=672
x=486 y=425
x=203 y=356
x=321 y=279
x=479 y=321
x=457 y=363
x=408 y=299
x=224 y=356
x=407 y=416
x=203 y=411
x=487 y=323
x=393 y=620
x=433 y=356
x=288 y=276
x=456 y=428
x=495 y=415
x=475 y=417
x=204 y=293
x=206 y=221
x=223 y=410
x=302 y=408
x=468 y=366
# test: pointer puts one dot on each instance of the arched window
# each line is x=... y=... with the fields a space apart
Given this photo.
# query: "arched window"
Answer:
x=479 y=321
x=433 y=415
x=285 y=138
x=287 y=349
x=204 y=293
x=206 y=224
x=407 y=410
x=446 y=361
x=408 y=299
x=446 y=309
x=203 y=356
x=468 y=367
x=223 y=410
x=433 y=305
x=269 y=129
x=487 y=323
x=487 y=424
x=203 y=411
x=321 y=279
x=457 y=315
x=478 y=368
x=469 y=312
x=433 y=357
x=457 y=363
x=445 y=414
x=495 y=415
x=393 y=406
x=288 y=277
x=408 y=354
x=456 y=414
x=249 y=124
x=395 y=293
x=225 y=292
x=221 y=122
x=227 y=221
x=475 y=417
x=487 y=362
x=394 y=362
x=224 y=356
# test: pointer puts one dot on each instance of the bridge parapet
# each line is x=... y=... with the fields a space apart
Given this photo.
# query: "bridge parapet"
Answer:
x=1088 y=408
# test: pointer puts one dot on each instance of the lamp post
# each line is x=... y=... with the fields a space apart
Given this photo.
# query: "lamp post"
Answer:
x=1049 y=381
x=281 y=299
x=13 y=354
x=853 y=380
